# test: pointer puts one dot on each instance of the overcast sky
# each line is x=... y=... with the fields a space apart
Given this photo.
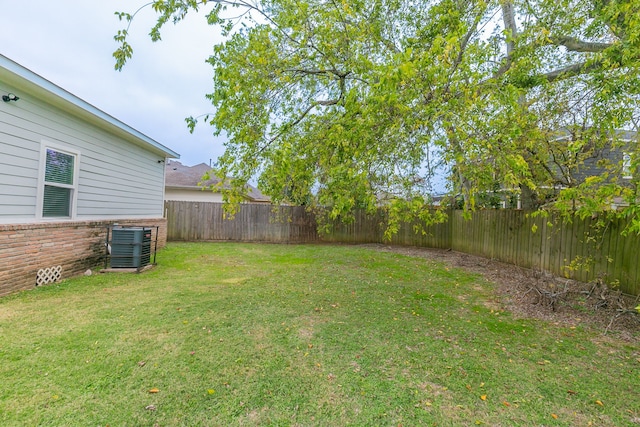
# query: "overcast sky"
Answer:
x=70 y=43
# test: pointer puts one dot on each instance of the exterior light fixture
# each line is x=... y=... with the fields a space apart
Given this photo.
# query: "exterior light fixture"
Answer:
x=9 y=97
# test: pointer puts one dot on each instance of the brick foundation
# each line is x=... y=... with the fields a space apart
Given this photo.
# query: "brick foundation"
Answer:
x=76 y=246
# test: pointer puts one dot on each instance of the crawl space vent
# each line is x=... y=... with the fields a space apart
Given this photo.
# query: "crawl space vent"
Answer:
x=48 y=275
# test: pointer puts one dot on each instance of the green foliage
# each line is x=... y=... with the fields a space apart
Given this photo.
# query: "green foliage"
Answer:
x=351 y=104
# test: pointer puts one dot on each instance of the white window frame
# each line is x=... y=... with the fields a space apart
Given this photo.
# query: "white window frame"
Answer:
x=44 y=146
x=626 y=166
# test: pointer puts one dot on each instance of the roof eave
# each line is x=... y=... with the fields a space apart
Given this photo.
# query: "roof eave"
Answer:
x=35 y=85
x=189 y=187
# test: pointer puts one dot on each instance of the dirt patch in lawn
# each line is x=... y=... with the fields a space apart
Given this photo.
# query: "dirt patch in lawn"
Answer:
x=534 y=294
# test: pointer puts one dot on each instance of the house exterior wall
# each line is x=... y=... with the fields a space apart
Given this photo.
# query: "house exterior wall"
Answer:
x=117 y=179
x=192 y=195
x=74 y=246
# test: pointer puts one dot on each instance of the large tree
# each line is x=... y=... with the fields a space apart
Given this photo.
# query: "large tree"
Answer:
x=350 y=103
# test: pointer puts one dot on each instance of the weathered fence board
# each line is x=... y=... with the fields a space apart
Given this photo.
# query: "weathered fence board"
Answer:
x=196 y=221
x=576 y=250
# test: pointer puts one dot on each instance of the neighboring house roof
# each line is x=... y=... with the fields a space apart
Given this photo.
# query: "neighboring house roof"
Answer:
x=34 y=85
x=179 y=176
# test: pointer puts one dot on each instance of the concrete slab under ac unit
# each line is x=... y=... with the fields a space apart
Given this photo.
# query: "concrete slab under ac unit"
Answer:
x=127 y=270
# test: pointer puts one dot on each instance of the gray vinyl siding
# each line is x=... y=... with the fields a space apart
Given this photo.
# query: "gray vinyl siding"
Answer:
x=117 y=178
x=19 y=158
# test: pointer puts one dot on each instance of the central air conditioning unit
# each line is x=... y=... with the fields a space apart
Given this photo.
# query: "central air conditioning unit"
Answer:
x=130 y=247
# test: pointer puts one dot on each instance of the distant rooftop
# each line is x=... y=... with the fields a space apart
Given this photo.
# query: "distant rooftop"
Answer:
x=184 y=177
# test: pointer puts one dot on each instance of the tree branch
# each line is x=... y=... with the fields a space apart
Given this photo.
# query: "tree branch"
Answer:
x=328 y=102
x=576 y=45
x=510 y=26
x=551 y=76
x=317 y=71
x=286 y=127
x=569 y=71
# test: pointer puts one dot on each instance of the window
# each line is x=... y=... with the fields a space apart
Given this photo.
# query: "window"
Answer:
x=59 y=183
x=626 y=166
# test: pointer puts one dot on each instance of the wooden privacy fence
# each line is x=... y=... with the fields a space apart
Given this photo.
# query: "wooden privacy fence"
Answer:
x=196 y=221
x=370 y=229
x=576 y=250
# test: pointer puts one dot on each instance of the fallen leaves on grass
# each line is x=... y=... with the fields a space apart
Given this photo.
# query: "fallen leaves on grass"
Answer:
x=422 y=403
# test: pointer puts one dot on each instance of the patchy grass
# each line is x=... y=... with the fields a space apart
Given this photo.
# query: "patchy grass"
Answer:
x=233 y=334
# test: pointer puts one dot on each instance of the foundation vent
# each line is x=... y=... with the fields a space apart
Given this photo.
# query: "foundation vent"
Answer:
x=48 y=275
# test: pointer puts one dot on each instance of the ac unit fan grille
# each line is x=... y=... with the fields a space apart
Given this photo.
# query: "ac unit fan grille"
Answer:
x=130 y=247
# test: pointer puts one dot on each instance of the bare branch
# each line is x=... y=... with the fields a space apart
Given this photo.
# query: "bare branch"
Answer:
x=569 y=71
x=317 y=71
x=329 y=102
x=287 y=127
x=576 y=45
x=509 y=19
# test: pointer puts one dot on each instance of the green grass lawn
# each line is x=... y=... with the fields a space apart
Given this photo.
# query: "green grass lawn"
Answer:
x=249 y=334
